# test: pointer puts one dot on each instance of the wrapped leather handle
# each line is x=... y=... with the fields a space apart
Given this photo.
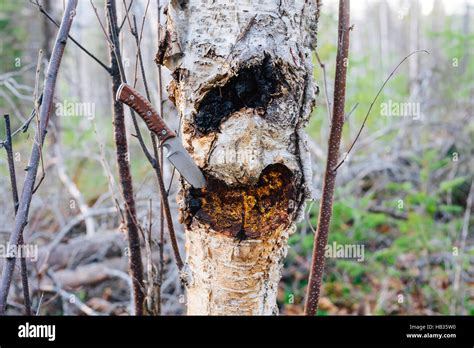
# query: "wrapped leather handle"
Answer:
x=129 y=96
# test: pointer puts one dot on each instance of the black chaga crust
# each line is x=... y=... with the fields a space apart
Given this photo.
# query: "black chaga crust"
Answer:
x=253 y=87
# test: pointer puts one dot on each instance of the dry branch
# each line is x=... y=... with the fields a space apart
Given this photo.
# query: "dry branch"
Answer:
x=11 y=167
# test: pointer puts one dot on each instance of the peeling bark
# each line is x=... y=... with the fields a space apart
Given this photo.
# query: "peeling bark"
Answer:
x=242 y=82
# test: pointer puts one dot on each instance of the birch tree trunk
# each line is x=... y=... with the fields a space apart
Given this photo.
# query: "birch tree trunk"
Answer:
x=242 y=82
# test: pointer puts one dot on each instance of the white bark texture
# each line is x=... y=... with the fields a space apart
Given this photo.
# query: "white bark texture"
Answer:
x=242 y=82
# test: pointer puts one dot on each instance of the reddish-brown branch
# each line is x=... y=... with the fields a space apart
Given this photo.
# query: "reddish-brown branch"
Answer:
x=21 y=217
x=160 y=102
x=325 y=211
x=126 y=185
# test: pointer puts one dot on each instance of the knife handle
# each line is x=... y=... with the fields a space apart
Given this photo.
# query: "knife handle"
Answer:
x=129 y=96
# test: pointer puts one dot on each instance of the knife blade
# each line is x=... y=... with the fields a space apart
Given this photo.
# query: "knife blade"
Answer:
x=176 y=153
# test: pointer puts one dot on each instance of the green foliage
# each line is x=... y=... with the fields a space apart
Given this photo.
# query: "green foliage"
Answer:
x=394 y=247
x=12 y=35
x=456 y=46
x=449 y=185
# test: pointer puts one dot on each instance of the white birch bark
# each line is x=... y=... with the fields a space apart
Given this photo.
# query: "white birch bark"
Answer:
x=237 y=131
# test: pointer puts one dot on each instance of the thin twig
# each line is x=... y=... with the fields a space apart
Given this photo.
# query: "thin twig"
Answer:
x=27 y=193
x=11 y=169
x=11 y=165
x=37 y=106
x=24 y=127
x=153 y=290
x=127 y=10
x=40 y=302
x=138 y=40
x=346 y=117
x=161 y=244
x=372 y=104
x=326 y=93
x=104 y=31
x=86 y=51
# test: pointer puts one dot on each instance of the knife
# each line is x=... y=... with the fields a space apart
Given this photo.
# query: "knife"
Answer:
x=176 y=153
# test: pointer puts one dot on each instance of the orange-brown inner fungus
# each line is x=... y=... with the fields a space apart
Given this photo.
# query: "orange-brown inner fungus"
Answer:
x=246 y=212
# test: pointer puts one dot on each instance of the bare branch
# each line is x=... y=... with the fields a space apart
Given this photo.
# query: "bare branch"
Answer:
x=29 y=183
x=24 y=127
x=161 y=244
x=325 y=211
x=11 y=169
x=126 y=184
x=127 y=10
